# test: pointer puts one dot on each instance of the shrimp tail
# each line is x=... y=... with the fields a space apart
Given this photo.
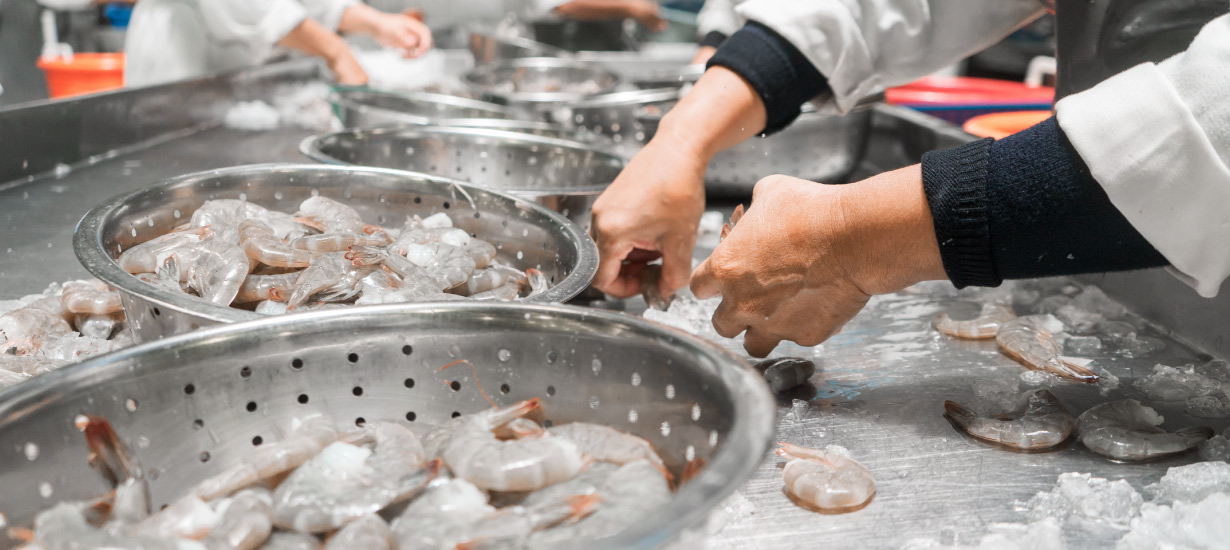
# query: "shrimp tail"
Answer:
x=958 y=413
x=1076 y=372
x=1195 y=433
x=365 y=255
x=692 y=469
x=107 y=453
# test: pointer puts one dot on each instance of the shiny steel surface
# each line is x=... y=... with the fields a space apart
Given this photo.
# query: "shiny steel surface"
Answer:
x=565 y=176
x=189 y=406
x=363 y=108
x=670 y=78
x=488 y=47
x=525 y=234
x=817 y=147
x=613 y=116
x=536 y=81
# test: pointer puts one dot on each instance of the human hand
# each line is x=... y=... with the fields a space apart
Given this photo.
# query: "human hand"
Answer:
x=651 y=210
x=646 y=13
x=346 y=69
x=404 y=32
x=703 y=54
x=806 y=257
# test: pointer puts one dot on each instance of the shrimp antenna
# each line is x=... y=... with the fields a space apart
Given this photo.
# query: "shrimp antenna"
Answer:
x=465 y=194
x=476 y=382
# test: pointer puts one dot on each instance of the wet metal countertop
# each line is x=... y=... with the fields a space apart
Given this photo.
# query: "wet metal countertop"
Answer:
x=878 y=390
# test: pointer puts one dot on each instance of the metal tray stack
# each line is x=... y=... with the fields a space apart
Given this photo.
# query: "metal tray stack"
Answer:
x=189 y=406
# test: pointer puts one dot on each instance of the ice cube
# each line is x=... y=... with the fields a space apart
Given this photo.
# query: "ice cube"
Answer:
x=1107 y=380
x=1168 y=383
x=1188 y=526
x=1194 y=482
x=1209 y=406
x=1082 y=498
x=1083 y=346
x=1000 y=394
x=1133 y=346
x=1052 y=304
x=1078 y=321
x=1041 y=535
x=1217 y=448
x=1094 y=301
x=1038 y=378
x=1116 y=329
x=798 y=410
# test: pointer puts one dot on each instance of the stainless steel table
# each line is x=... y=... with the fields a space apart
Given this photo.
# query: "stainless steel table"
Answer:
x=878 y=392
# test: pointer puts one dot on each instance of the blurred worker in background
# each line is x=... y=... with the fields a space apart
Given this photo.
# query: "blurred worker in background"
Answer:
x=1130 y=173
x=717 y=20
x=177 y=39
x=444 y=13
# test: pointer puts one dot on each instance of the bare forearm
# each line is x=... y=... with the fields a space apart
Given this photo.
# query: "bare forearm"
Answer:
x=314 y=39
x=721 y=111
x=360 y=19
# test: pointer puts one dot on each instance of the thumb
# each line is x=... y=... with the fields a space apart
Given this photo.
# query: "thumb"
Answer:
x=704 y=284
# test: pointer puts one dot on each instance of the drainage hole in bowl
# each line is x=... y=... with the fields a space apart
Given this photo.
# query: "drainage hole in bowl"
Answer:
x=357 y=391
x=256 y=441
x=245 y=372
x=410 y=416
x=409 y=383
x=296 y=363
x=505 y=388
x=303 y=399
x=353 y=357
x=251 y=406
x=189 y=389
x=455 y=385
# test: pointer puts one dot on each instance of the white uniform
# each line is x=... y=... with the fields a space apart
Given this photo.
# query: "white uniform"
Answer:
x=720 y=16
x=447 y=13
x=175 y=39
x=1132 y=129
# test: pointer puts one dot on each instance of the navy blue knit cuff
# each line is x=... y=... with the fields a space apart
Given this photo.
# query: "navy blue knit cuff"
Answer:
x=713 y=39
x=781 y=75
x=955 y=181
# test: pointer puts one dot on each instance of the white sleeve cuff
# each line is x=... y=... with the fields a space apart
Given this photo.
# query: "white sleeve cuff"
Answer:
x=329 y=12
x=283 y=16
x=1157 y=165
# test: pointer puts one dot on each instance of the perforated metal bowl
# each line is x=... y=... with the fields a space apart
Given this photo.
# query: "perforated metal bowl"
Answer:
x=194 y=404
x=613 y=116
x=566 y=176
x=535 y=81
x=363 y=108
x=816 y=146
x=525 y=234
x=488 y=46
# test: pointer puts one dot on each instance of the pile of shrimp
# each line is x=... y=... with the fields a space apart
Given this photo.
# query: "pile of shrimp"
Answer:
x=492 y=479
x=235 y=253
x=66 y=324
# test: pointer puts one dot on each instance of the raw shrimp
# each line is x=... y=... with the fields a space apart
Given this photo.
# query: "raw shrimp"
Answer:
x=538 y=281
x=1039 y=422
x=25 y=330
x=291 y=541
x=440 y=517
x=107 y=453
x=1128 y=431
x=65 y=527
x=450 y=266
x=493 y=277
x=519 y=428
x=629 y=495
x=307 y=437
x=213 y=269
x=828 y=481
x=607 y=444
x=482 y=251
x=367 y=532
x=409 y=271
x=651 y=275
x=334 y=242
x=244 y=520
x=1030 y=341
x=130 y=506
x=258 y=288
x=512 y=527
x=471 y=450
x=189 y=517
x=505 y=292
x=262 y=245
x=224 y=214
x=146 y=257
x=90 y=297
x=785 y=373
x=332 y=217
x=591 y=481
x=346 y=481
x=100 y=326
x=986 y=325
x=271 y=307
x=328 y=272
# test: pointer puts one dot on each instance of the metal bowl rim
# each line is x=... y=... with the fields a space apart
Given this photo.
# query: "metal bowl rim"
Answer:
x=342 y=98
x=754 y=418
x=310 y=147
x=545 y=50
x=538 y=62
x=630 y=97
x=87 y=242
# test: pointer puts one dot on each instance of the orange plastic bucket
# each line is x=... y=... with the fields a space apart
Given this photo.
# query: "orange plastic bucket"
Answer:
x=86 y=73
x=1001 y=125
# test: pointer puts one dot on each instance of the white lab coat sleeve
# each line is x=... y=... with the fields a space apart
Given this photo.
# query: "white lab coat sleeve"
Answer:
x=1157 y=138
x=863 y=47
x=328 y=12
x=257 y=23
x=531 y=10
x=66 y=5
x=720 y=16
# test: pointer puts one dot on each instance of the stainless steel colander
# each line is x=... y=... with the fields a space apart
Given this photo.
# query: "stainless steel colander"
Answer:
x=363 y=108
x=565 y=176
x=191 y=405
x=525 y=234
x=614 y=116
x=538 y=83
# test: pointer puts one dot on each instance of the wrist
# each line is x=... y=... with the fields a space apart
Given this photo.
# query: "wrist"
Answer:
x=888 y=219
x=360 y=19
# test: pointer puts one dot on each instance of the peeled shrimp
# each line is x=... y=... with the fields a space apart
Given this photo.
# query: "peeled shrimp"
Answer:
x=627 y=496
x=346 y=481
x=330 y=216
x=1030 y=341
x=65 y=527
x=409 y=271
x=145 y=257
x=482 y=252
x=307 y=437
x=1038 y=423
x=328 y=271
x=258 y=288
x=369 y=532
x=538 y=281
x=986 y=325
x=213 y=269
x=97 y=326
x=1128 y=431
x=90 y=297
x=24 y=331
x=130 y=506
x=507 y=291
x=607 y=444
x=189 y=518
x=291 y=541
x=245 y=520
x=450 y=266
x=228 y=214
x=492 y=277
x=441 y=516
x=828 y=481
x=785 y=373
x=334 y=242
x=512 y=527
x=262 y=245
x=471 y=450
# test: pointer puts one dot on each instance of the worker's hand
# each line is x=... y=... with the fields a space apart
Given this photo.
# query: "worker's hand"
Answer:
x=403 y=32
x=806 y=257
x=646 y=13
x=703 y=54
x=651 y=210
x=346 y=69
